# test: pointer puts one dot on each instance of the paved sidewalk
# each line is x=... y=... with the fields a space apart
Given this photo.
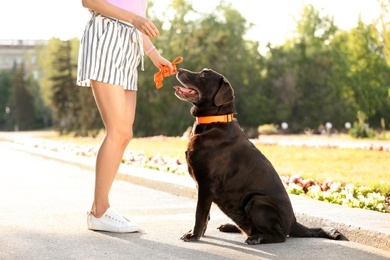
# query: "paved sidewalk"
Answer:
x=362 y=226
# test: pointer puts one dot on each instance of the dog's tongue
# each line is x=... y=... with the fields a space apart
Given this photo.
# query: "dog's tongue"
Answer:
x=183 y=90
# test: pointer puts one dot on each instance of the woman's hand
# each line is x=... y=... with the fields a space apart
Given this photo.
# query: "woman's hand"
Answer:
x=159 y=61
x=145 y=26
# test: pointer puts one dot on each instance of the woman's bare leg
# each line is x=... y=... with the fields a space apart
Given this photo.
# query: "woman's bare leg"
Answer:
x=117 y=109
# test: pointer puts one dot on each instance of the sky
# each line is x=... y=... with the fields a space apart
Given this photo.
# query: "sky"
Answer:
x=64 y=19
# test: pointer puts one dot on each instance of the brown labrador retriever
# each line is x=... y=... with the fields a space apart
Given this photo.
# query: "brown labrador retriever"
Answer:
x=231 y=172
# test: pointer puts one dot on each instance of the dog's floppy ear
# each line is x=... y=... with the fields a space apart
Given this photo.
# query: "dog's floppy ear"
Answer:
x=225 y=94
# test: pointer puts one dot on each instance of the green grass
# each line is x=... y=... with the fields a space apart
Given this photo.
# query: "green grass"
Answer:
x=360 y=167
x=170 y=147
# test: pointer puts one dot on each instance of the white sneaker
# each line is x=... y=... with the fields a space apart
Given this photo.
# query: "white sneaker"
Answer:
x=111 y=221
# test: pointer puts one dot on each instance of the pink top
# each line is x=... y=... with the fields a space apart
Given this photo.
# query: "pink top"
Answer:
x=135 y=6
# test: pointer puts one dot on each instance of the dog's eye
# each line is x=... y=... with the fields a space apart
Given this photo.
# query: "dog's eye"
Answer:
x=203 y=74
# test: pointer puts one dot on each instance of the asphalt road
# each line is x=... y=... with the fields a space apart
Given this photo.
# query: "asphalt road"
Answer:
x=43 y=205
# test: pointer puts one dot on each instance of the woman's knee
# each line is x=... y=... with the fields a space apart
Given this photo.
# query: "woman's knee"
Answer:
x=120 y=134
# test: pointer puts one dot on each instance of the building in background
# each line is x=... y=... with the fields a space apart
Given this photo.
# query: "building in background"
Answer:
x=18 y=51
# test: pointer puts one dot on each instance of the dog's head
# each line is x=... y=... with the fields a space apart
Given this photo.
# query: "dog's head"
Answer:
x=209 y=92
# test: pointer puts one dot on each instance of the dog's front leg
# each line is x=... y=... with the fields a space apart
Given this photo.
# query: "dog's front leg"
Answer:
x=202 y=217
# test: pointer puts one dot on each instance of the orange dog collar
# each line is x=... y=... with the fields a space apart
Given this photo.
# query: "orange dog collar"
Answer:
x=215 y=119
x=165 y=72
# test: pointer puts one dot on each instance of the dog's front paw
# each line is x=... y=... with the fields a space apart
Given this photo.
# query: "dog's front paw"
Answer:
x=189 y=237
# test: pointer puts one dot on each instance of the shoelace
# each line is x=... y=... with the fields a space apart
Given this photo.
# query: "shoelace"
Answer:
x=165 y=72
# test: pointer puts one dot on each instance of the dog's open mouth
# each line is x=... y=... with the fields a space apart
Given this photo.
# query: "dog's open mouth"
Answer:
x=186 y=93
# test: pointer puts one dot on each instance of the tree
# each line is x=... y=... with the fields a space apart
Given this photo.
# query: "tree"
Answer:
x=64 y=98
x=75 y=109
x=301 y=75
x=385 y=22
x=23 y=102
x=5 y=93
x=368 y=74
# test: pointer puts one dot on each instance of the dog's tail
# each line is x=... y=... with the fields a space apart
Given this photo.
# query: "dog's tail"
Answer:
x=299 y=230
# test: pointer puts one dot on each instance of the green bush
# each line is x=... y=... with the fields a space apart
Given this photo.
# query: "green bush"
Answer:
x=268 y=129
x=360 y=129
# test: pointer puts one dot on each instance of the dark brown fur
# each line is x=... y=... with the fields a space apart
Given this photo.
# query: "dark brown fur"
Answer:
x=231 y=172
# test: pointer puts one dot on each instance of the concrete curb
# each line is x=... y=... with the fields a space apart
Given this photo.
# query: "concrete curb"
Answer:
x=361 y=226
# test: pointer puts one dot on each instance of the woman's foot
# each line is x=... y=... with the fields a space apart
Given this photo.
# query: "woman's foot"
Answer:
x=111 y=221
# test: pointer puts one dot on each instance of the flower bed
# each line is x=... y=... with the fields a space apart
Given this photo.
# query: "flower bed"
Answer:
x=334 y=192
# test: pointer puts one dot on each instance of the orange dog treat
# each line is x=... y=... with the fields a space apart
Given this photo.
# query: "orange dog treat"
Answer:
x=164 y=72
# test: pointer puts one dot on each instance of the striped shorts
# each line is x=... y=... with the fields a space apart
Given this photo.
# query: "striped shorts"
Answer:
x=110 y=52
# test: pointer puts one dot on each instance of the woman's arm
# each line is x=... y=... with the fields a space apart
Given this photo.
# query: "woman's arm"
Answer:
x=154 y=54
x=141 y=23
